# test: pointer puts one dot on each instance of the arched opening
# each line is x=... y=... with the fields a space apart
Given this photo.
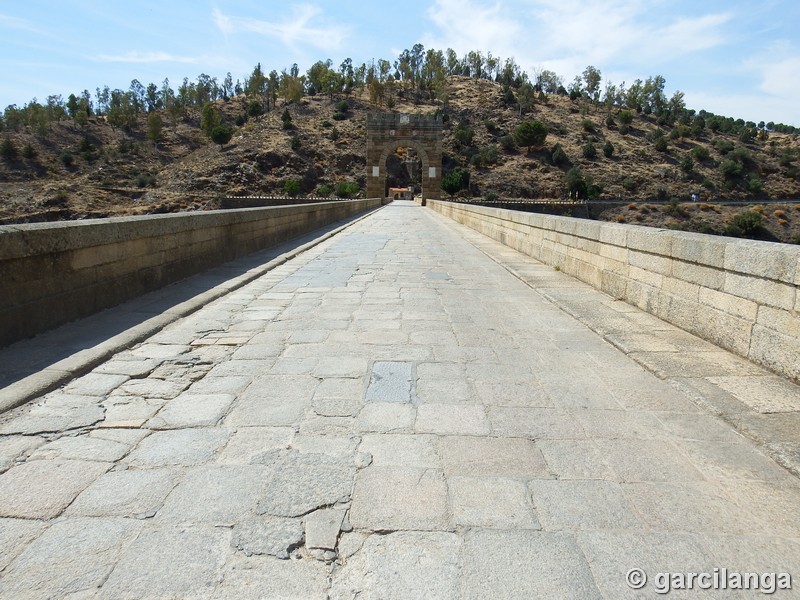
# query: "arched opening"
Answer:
x=403 y=163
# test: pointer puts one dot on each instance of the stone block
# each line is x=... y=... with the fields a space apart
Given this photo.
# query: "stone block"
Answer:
x=765 y=260
x=72 y=558
x=42 y=489
x=275 y=536
x=656 y=263
x=170 y=562
x=395 y=498
x=491 y=457
x=452 y=419
x=523 y=564
x=405 y=564
x=727 y=303
x=82 y=447
x=582 y=504
x=534 y=423
x=192 y=410
x=15 y=535
x=216 y=495
x=386 y=417
x=322 y=528
x=700 y=249
x=707 y=277
x=776 y=351
x=492 y=502
x=268 y=577
x=129 y=493
x=178 y=447
x=762 y=291
x=413 y=451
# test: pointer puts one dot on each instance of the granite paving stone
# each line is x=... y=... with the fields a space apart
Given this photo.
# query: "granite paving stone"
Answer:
x=170 y=562
x=192 y=410
x=15 y=535
x=491 y=502
x=42 y=489
x=73 y=556
x=268 y=577
x=178 y=447
x=128 y=493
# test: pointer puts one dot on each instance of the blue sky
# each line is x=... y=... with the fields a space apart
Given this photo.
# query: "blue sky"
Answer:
x=736 y=58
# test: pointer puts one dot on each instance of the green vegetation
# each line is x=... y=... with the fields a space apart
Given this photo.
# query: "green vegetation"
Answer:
x=745 y=224
x=530 y=133
x=348 y=189
x=455 y=181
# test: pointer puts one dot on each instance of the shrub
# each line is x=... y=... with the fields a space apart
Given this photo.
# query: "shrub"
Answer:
x=286 y=119
x=589 y=151
x=723 y=146
x=255 y=109
x=491 y=197
x=661 y=144
x=629 y=184
x=576 y=184
x=507 y=143
x=347 y=189
x=730 y=168
x=325 y=190
x=559 y=156
x=342 y=106
x=487 y=156
x=8 y=149
x=291 y=187
x=339 y=116
x=608 y=149
x=530 y=133
x=464 y=135
x=624 y=129
x=687 y=164
x=334 y=134
x=29 y=151
x=240 y=120
x=744 y=224
x=588 y=125
x=325 y=123
x=625 y=117
x=221 y=134
x=145 y=180
x=295 y=143
x=755 y=185
x=700 y=153
x=455 y=181
x=66 y=158
x=610 y=122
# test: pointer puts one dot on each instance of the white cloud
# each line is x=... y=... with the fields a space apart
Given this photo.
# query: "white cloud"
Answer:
x=466 y=25
x=147 y=57
x=307 y=25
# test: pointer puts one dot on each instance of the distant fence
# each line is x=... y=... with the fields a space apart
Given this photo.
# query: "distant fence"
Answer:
x=52 y=273
x=741 y=295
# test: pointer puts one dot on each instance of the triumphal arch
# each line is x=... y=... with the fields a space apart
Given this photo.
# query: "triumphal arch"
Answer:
x=388 y=131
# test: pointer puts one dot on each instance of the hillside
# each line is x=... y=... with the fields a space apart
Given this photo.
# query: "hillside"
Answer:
x=95 y=170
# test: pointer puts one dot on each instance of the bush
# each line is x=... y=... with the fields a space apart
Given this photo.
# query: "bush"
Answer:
x=255 y=109
x=507 y=143
x=295 y=143
x=745 y=224
x=730 y=168
x=145 y=180
x=487 y=156
x=625 y=117
x=464 y=135
x=286 y=119
x=723 y=146
x=66 y=158
x=324 y=190
x=530 y=133
x=629 y=184
x=8 y=149
x=342 y=106
x=687 y=164
x=610 y=122
x=589 y=151
x=291 y=187
x=755 y=185
x=624 y=129
x=491 y=197
x=661 y=144
x=700 y=153
x=455 y=181
x=29 y=151
x=339 y=116
x=240 y=120
x=221 y=134
x=608 y=149
x=588 y=125
x=559 y=156
x=348 y=189
x=576 y=184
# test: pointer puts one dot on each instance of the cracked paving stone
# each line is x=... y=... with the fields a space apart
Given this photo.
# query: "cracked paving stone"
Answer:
x=170 y=562
x=178 y=447
x=192 y=410
x=407 y=564
x=15 y=535
x=275 y=536
x=42 y=489
x=82 y=447
x=304 y=482
x=95 y=384
x=74 y=555
x=44 y=418
x=322 y=528
x=268 y=577
x=125 y=493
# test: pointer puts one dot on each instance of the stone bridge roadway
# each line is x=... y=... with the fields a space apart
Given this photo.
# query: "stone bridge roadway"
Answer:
x=394 y=414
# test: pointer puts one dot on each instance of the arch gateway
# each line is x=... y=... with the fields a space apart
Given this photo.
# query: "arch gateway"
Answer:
x=387 y=131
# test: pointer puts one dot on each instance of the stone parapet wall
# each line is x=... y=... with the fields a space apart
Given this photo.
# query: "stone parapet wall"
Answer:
x=741 y=295
x=52 y=273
